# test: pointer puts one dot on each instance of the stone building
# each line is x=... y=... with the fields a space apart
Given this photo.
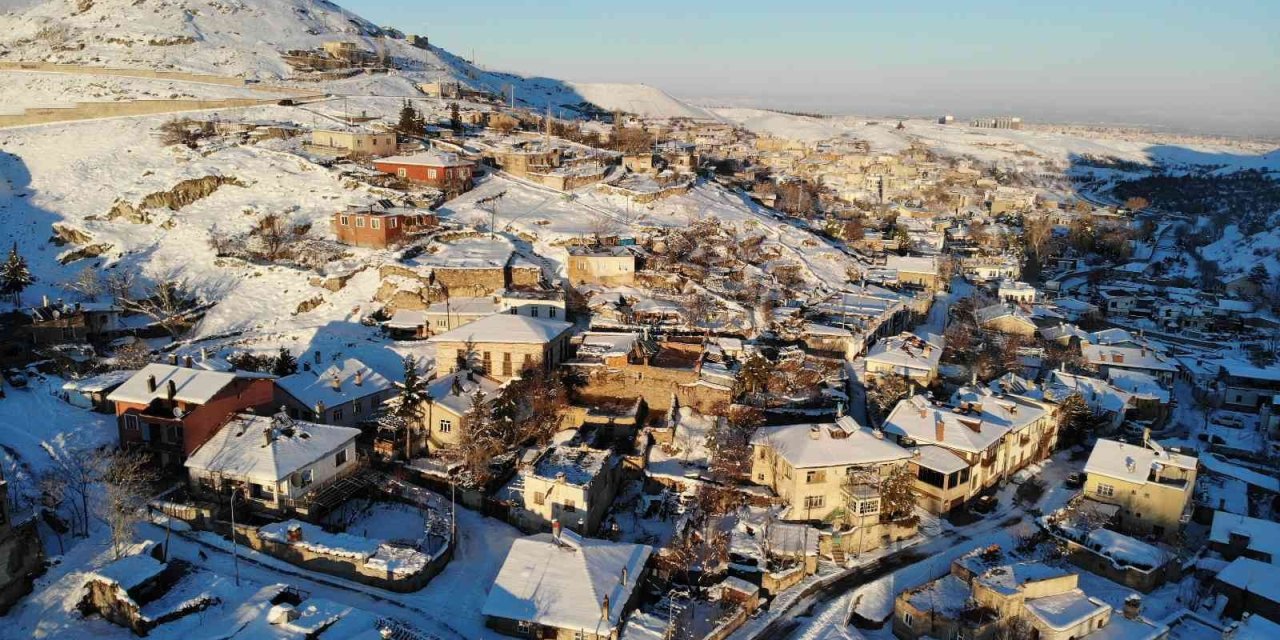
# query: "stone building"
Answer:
x=502 y=345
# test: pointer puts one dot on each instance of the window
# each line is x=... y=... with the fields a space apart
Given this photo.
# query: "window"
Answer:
x=345 y=221
x=815 y=477
x=360 y=222
x=130 y=422
x=373 y=222
x=1106 y=490
x=442 y=323
x=402 y=172
x=340 y=459
x=355 y=407
x=533 y=312
x=446 y=426
x=761 y=454
x=523 y=626
x=579 y=635
x=931 y=477
x=431 y=173
x=539 y=497
x=506 y=364
x=172 y=434
x=392 y=222
x=337 y=415
x=488 y=362
x=569 y=506
x=814 y=502
x=760 y=477
x=869 y=506
x=308 y=476
x=528 y=361
x=906 y=618
x=551 y=312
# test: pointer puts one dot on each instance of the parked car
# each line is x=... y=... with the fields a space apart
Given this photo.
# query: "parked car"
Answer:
x=985 y=504
x=16 y=378
x=1074 y=481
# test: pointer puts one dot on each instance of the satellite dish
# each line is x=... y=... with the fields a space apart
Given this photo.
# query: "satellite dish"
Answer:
x=177 y=412
x=295 y=479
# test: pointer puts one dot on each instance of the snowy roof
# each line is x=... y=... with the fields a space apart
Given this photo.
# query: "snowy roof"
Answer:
x=426 y=159
x=1131 y=462
x=1065 y=610
x=193 y=385
x=477 y=252
x=240 y=448
x=912 y=264
x=564 y=583
x=130 y=571
x=1257 y=628
x=600 y=345
x=1263 y=535
x=1253 y=576
x=972 y=430
x=1125 y=549
x=99 y=383
x=1009 y=578
x=939 y=459
x=1112 y=336
x=1126 y=357
x=1219 y=466
x=909 y=351
x=947 y=595
x=842 y=443
x=1097 y=394
x=506 y=328
x=338 y=384
x=470 y=306
x=1064 y=331
x=457 y=392
x=1139 y=384
x=1002 y=310
x=407 y=319
x=579 y=465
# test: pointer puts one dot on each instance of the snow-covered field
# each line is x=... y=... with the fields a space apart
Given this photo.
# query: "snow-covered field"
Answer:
x=26 y=89
x=1033 y=144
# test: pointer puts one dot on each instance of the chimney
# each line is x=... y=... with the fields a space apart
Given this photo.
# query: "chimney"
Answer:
x=1133 y=606
x=317 y=356
x=923 y=412
x=624 y=575
x=44 y=301
x=878 y=433
x=188 y=362
x=335 y=382
x=604 y=608
x=359 y=377
x=815 y=432
x=267 y=436
x=151 y=383
x=173 y=359
x=172 y=390
x=204 y=354
x=939 y=429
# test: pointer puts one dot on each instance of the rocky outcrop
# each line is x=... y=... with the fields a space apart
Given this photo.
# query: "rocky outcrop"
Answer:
x=181 y=195
x=66 y=234
x=308 y=305
x=90 y=251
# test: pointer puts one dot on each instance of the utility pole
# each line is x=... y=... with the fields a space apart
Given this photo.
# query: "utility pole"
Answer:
x=235 y=556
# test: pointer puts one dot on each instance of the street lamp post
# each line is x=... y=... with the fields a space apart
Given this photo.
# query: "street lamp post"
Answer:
x=235 y=556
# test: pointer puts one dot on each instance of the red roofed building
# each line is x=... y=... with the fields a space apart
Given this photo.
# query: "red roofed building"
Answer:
x=378 y=227
x=445 y=171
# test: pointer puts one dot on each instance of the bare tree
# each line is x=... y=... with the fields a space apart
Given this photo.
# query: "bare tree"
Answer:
x=168 y=303
x=132 y=356
x=74 y=477
x=127 y=478
x=886 y=391
x=87 y=283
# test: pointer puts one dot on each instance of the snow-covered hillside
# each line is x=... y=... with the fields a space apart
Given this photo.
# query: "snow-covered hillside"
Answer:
x=246 y=38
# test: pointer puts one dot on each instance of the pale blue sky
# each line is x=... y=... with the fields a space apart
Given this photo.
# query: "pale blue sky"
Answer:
x=1201 y=65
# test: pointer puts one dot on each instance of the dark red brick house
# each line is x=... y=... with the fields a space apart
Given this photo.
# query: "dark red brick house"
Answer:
x=170 y=411
x=444 y=171
x=378 y=227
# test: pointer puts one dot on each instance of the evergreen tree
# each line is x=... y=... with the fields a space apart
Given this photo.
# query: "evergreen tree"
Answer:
x=411 y=123
x=414 y=392
x=15 y=276
x=285 y=364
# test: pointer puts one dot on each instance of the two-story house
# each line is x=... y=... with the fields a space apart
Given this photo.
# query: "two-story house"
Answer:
x=170 y=411
x=346 y=393
x=1153 y=486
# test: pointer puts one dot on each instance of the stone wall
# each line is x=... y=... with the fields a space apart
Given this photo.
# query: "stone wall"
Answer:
x=24 y=560
x=96 y=110
x=343 y=567
x=654 y=384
